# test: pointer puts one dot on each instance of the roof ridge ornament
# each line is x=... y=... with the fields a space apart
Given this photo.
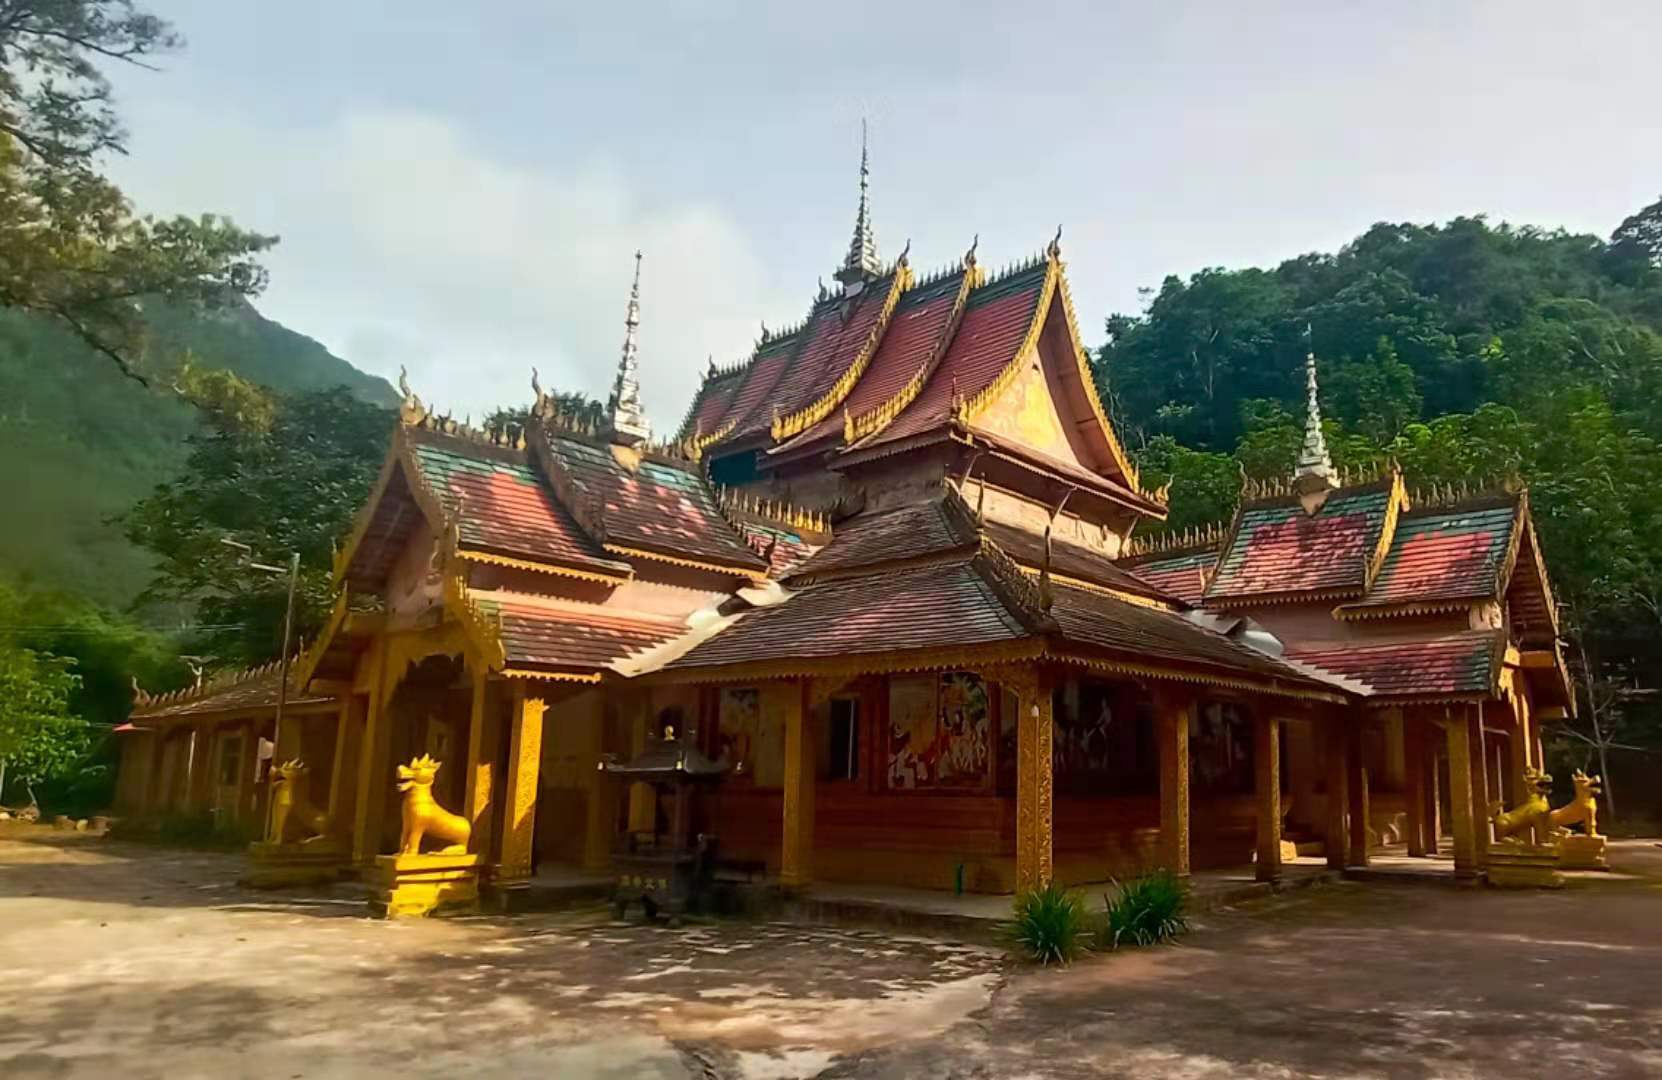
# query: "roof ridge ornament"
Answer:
x=628 y=418
x=861 y=264
x=1314 y=477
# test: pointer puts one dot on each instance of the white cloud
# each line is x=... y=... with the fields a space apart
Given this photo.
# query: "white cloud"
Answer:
x=403 y=242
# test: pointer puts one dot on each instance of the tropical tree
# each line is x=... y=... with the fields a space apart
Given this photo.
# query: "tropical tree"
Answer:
x=40 y=737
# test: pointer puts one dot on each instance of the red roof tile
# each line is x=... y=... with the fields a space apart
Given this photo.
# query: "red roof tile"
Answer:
x=1071 y=560
x=944 y=605
x=1456 y=665
x=886 y=536
x=1444 y=554
x=575 y=640
x=751 y=410
x=1279 y=549
x=996 y=319
x=837 y=330
x=1181 y=574
x=709 y=409
x=503 y=506
x=663 y=507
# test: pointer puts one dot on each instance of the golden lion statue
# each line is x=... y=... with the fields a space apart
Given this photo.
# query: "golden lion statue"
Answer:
x=423 y=815
x=1532 y=815
x=1583 y=810
x=291 y=804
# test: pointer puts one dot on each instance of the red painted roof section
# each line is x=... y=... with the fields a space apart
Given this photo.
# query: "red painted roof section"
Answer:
x=1071 y=560
x=502 y=505
x=837 y=330
x=573 y=640
x=1279 y=549
x=1443 y=555
x=1456 y=665
x=752 y=404
x=944 y=605
x=996 y=319
x=714 y=400
x=914 y=331
x=1181 y=575
x=661 y=507
x=906 y=532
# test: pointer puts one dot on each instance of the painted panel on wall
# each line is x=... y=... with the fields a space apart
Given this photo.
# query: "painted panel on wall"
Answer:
x=751 y=737
x=939 y=732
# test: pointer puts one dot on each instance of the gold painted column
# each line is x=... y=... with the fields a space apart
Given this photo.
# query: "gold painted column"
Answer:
x=481 y=765
x=1456 y=723
x=1266 y=742
x=1478 y=763
x=374 y=768
x=1356 y=792
x=519 y=805
x=1173 y=709
x=1414 y=754
x=1336 y=744
x=1519 y=744
x=796 y=858
x=344 y=769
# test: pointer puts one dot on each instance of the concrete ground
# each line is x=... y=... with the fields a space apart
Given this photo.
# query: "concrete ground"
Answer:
x=117 y=960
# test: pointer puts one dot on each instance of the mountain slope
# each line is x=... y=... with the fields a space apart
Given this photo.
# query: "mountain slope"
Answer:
x=79 y=443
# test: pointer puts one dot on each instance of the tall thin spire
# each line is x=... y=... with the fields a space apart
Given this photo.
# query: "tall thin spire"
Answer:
x=861 y=264
x=629 y=425
x=1314 y=475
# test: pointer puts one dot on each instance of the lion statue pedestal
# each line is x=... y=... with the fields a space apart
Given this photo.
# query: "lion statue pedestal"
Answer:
x=1586 y=850
x=413 y=882
x=1525 y=854
x=298 y=849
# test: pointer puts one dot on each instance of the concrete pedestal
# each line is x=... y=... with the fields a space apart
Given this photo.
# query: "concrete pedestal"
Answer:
x=1524 y=866
x=274 y=866
x=1577 y=852
x=416 y=885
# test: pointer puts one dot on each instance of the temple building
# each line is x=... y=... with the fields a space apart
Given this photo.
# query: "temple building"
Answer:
x=891 y=569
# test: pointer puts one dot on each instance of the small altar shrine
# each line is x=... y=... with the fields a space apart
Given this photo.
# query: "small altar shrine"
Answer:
x=667 y=869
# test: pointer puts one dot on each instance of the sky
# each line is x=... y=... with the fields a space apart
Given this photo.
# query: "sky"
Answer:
x=460 y=188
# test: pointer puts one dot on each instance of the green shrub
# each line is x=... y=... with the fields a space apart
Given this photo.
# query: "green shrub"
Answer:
x=1146 y=911
x=1049 y=925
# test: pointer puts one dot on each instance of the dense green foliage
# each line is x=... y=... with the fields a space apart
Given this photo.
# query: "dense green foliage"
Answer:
x=71 y=247
x=1146 y=911
x=289 y=481
x=1049 y=925
x=1463 y=351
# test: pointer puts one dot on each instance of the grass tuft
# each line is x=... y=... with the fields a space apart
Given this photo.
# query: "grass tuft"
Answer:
x=1146 y=911
x=1050 y=925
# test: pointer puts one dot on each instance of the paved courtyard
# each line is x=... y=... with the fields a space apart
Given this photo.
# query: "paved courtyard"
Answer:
x=136 y=962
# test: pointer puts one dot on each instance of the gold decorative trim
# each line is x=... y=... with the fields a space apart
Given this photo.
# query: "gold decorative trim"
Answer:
x=589 y=678
x=786 y=426
x=876 y=419
x=1093 y=587
x=700 y=443
x=483 y=631
x=1190 y=541
x=366 y=513
x=1394 y=503
x=852 y=666
x=1277 y=598
x=694 y=564
x=1133 y=478
x=968 y=410
x=544 y=568
x=306 y=663
x=1358 y=613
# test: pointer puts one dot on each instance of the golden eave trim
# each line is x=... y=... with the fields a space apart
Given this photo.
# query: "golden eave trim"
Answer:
x=589 y=678
x=1133 y=479
x=786 y=426
x=848 y=666
x=1394 y=503
x=541 y=567
x=977 y=404
x=1093 y=587
x=308 y=660
x=876 y=419
x=694 y=564
x=482 y=631
x=1281 y=598
x=1358 y=612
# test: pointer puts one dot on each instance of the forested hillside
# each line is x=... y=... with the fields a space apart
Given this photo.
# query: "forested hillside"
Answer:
x=1465 y=352
x=82 y=443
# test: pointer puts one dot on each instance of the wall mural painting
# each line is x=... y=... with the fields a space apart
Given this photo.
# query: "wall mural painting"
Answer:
x=1220 y=750
x=940 y=733
x=1083 y=745
x=753 y=742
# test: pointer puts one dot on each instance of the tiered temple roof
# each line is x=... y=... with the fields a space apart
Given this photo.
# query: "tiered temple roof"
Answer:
x=233 y=692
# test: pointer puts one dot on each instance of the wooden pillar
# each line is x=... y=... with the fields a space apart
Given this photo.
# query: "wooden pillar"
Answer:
x=1478 y=763
x=374 y=768
x=1456 y=725
x=1035 y=779
x=1266 y=743
x=1338 y=801
x=1432 y=818
x=1173 y=710
x=481 y=764
x=796 y=857
x=349 y=733
x=1356 y=792
x=1414 y=754
x=519 y=807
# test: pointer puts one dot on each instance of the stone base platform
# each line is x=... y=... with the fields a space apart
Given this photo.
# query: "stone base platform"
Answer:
x=1524 y=866
x=1578 y=852
x=403 y=886
x=276 y=866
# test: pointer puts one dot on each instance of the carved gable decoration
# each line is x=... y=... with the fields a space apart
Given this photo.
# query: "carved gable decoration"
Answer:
x=1026 y=413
